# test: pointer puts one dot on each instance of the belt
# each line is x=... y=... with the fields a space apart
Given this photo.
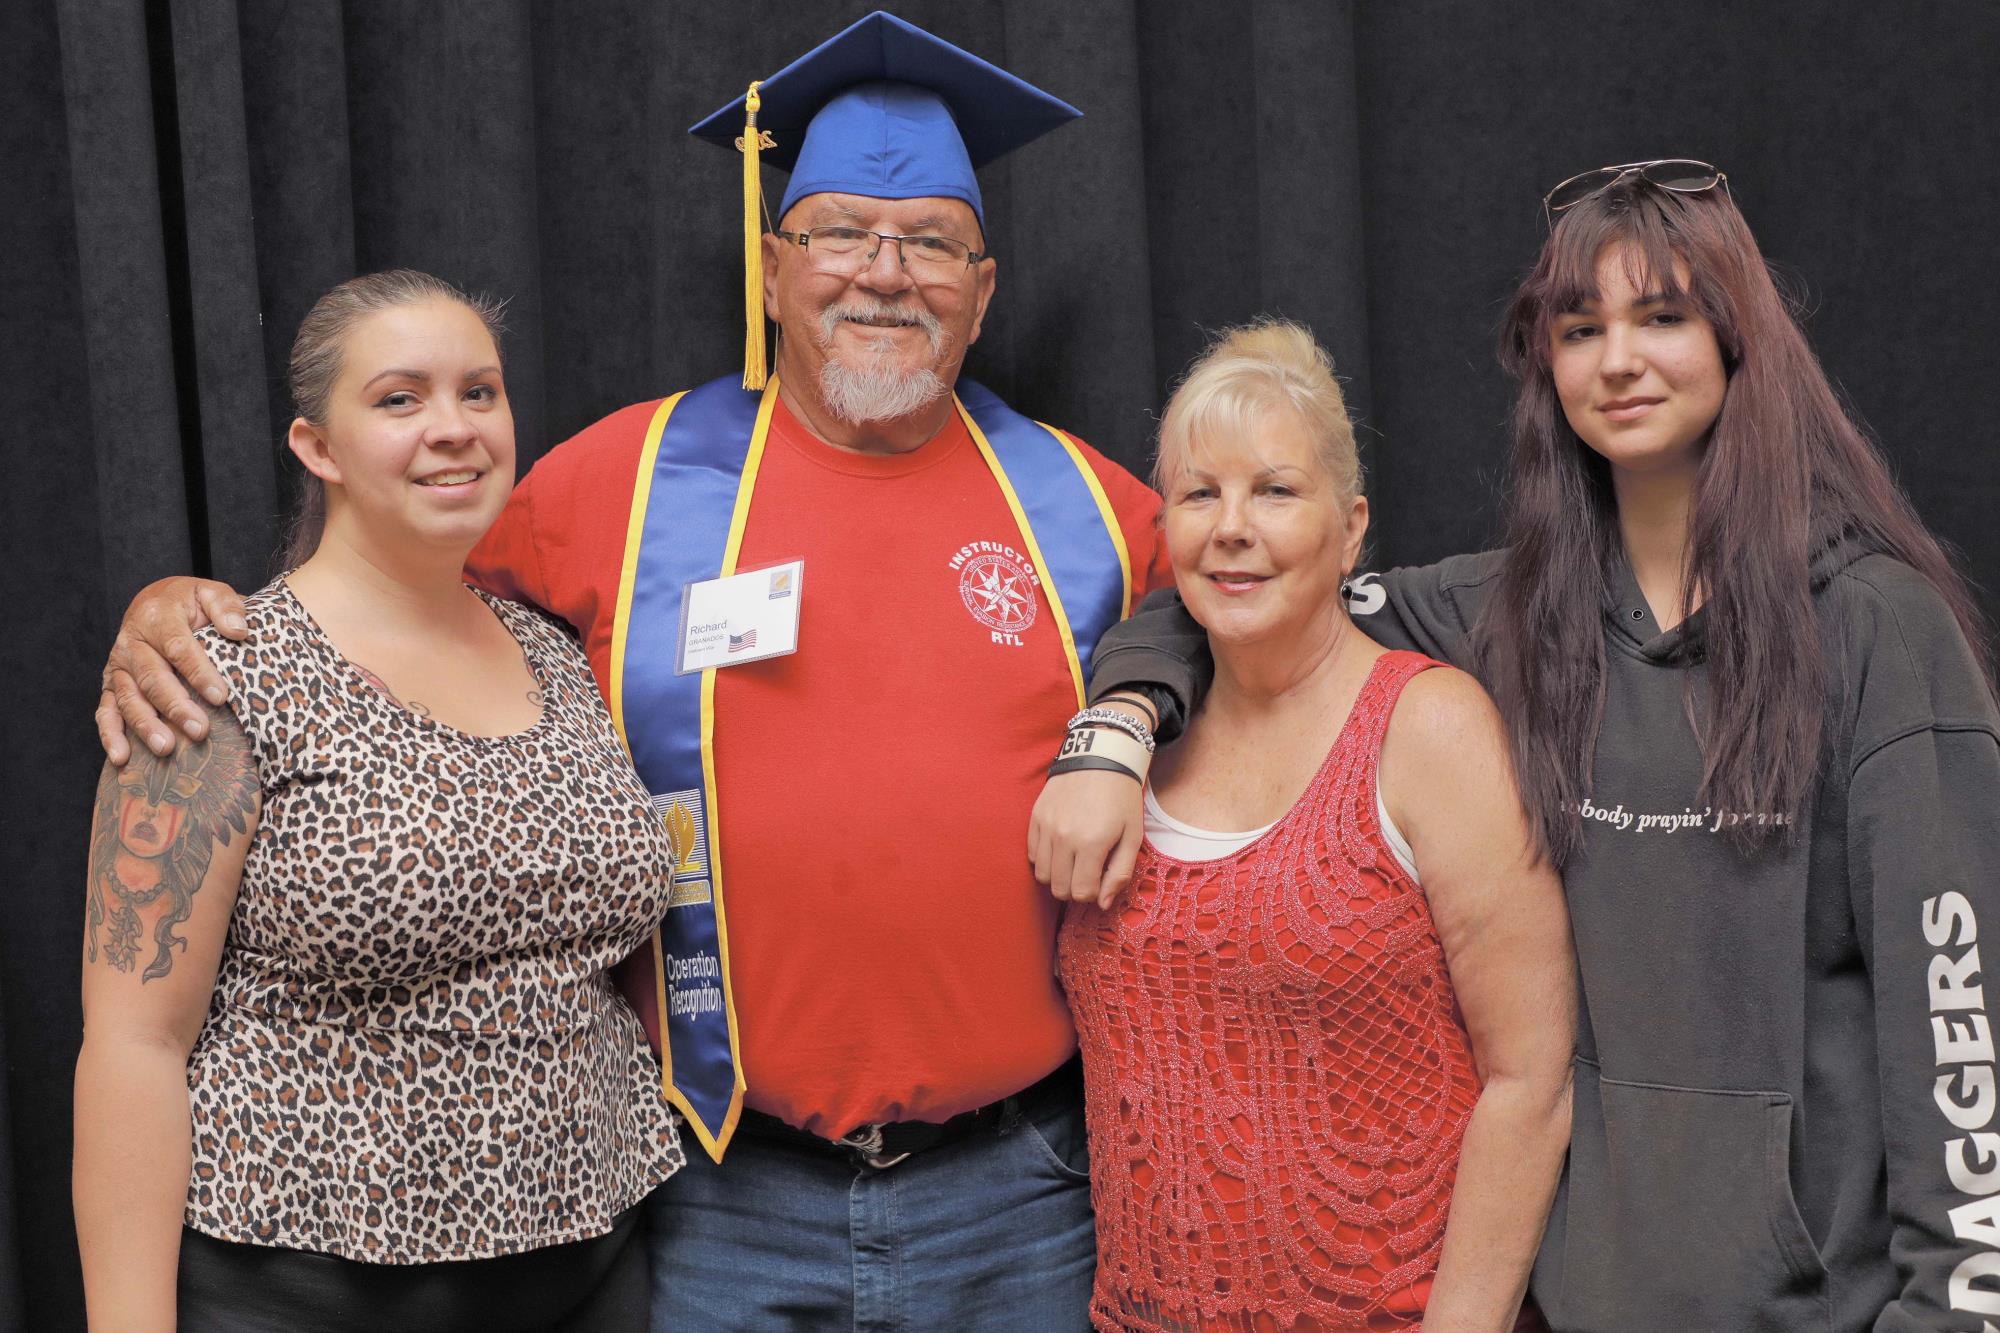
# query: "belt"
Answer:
x=888 y=1142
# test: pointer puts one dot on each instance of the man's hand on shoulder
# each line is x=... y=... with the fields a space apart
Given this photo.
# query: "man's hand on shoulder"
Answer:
x=155 y=660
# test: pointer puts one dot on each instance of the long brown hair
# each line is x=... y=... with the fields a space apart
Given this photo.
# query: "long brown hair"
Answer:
x=1785 y=473
x=316 y=359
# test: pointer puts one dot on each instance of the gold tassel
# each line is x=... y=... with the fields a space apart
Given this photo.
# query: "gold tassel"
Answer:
x=753 y=140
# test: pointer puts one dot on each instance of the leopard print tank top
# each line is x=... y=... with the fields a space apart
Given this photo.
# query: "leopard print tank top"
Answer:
x=414 y=1053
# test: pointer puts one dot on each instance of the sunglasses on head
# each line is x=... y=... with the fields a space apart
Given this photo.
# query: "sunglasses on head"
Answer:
x=1682 y=175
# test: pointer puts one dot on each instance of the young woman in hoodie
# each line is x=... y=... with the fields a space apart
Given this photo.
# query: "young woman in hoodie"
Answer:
x=1752 y=717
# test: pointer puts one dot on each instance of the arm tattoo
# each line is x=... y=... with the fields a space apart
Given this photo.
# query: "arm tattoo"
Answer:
x=158 y=824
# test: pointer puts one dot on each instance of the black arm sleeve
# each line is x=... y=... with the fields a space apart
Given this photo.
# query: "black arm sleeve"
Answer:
x=1163 y=653
x=1160 y=652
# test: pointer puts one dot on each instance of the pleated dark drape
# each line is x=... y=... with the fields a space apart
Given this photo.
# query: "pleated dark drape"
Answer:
x=179 y=180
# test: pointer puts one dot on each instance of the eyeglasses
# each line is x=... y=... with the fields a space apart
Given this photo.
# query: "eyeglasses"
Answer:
x=846 y=251
x=1682 y=175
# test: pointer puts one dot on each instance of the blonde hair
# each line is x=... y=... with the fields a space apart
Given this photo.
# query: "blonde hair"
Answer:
x=1257 y=368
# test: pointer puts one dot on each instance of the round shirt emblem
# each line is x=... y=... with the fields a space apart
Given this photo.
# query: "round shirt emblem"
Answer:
x=999 y=591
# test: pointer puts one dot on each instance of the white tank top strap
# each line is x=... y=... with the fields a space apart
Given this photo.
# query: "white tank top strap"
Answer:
x=1185 y=842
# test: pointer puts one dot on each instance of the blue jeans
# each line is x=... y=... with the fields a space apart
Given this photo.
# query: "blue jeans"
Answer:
x=990 y=1232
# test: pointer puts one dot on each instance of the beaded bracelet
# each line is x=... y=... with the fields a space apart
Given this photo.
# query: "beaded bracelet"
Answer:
x=1117 y=721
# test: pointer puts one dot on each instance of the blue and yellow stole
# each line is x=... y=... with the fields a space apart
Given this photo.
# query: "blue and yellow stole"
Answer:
x=690 y=501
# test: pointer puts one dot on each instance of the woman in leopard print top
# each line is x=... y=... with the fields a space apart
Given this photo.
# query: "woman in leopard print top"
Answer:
x=392 y=878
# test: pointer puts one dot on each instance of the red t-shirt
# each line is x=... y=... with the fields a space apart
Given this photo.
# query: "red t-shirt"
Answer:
x=890 y=953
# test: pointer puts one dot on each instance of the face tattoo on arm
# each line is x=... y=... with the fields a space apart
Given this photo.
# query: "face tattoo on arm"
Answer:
x=159 y=821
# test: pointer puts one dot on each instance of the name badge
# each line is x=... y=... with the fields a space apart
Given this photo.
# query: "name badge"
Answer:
x=743 y=618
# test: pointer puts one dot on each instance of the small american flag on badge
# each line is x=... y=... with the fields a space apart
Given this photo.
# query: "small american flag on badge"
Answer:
x=742 y=642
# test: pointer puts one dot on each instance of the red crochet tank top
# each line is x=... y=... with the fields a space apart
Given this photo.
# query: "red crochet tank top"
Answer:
x=1276 y=1075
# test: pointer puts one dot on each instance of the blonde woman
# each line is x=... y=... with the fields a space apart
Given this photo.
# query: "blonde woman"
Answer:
x=1327 y=1032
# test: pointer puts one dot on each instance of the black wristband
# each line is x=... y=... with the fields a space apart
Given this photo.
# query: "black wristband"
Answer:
x=1134 y=697
x=1078 y=762
x=1168 y=720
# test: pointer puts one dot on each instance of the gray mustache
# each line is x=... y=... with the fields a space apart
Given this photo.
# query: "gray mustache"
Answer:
x=864 y=311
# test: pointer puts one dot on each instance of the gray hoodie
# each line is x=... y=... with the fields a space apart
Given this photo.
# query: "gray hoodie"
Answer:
x=1786 y=1084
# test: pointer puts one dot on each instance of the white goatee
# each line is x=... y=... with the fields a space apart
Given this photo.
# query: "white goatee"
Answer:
x=870 y=386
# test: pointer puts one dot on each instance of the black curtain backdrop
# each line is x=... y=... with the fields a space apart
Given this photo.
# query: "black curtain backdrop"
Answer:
x=181 y=179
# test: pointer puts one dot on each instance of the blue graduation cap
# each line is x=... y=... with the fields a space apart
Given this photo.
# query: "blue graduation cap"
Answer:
x=882 y=109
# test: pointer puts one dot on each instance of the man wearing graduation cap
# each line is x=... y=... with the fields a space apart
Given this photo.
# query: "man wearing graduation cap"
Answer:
x=911 y=1152
x=872 y=1028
